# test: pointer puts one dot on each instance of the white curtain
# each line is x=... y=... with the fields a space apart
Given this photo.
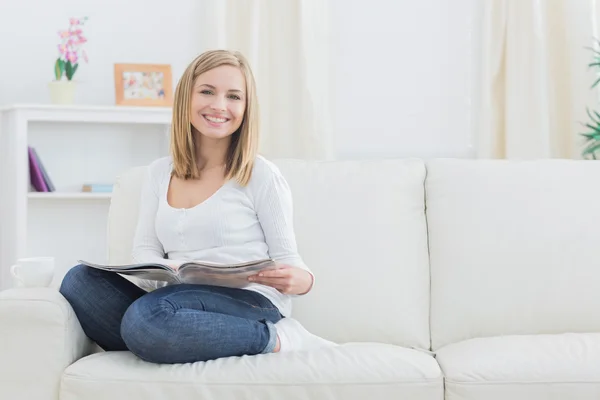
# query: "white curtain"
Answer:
x=534 y=83
x=287 y=43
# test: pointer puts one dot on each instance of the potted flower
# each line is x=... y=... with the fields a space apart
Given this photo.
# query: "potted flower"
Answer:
x=70 y=52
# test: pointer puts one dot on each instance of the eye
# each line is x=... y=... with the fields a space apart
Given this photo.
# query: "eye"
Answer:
x=234 y=97
x=206 y=91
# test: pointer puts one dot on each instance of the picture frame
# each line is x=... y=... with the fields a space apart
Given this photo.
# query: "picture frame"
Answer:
x=143 y=85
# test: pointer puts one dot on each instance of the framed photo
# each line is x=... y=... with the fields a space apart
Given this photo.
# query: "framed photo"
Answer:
x=143 y=85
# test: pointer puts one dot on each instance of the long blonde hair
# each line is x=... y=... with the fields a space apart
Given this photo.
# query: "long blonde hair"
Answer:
x=244 y=142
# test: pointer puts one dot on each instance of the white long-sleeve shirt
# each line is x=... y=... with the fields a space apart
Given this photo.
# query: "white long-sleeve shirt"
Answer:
x=236 y=224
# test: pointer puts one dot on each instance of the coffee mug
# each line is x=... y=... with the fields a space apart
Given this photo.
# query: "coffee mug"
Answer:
x=33 y=271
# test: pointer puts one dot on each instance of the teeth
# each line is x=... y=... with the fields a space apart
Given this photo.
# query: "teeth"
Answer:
x=213 y=119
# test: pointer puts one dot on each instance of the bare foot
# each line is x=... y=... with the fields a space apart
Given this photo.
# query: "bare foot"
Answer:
x=277 y=345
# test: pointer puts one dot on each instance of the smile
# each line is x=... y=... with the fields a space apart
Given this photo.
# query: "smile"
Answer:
x=215 y=120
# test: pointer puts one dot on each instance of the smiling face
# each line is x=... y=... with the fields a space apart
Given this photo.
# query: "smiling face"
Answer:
x=214 y=99
x=218 y=102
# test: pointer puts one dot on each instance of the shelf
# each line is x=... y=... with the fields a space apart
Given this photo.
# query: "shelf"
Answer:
x=77 y=144
x=92 y=114
x=68 y=195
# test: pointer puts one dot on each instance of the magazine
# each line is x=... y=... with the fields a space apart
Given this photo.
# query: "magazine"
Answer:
x=197 y=272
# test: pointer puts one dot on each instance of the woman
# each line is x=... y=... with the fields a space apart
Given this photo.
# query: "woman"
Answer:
x=213 y=200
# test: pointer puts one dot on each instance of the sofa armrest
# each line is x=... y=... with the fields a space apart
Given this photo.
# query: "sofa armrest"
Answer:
x=39 y=337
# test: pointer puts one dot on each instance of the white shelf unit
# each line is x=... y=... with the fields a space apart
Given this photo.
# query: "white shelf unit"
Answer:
x=77 y=145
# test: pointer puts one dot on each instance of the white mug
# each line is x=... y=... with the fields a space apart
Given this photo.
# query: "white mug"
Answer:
x=33 y=271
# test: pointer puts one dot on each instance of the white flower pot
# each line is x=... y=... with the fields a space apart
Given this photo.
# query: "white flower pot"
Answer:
x=62 y=92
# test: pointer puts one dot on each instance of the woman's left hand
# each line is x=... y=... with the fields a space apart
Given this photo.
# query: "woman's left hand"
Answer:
x=286 y=279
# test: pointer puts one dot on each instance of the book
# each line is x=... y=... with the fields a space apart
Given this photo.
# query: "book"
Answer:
x=45 y=175
x=35 y=174
x=196 y=272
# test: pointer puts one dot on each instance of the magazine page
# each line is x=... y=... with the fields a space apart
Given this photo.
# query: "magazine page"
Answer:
x=156 y=272
x=152 y=274
x=226 y=276
x=227 y=268
x=127 y=267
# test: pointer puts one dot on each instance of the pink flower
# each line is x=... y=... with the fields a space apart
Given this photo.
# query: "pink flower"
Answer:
x=72 y=57
x=64 y=34
x=74 y=21
x=62 y=49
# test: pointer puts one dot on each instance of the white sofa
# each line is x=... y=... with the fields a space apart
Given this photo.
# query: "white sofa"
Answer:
x=463 y=279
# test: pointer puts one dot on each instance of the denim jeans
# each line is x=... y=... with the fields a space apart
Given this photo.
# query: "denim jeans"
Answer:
x=173 y=324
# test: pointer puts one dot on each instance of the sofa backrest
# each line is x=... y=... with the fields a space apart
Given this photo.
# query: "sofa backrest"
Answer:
x=360 y=227
x=513 y=247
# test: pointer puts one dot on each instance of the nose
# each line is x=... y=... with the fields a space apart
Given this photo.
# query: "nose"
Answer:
x=219 y=103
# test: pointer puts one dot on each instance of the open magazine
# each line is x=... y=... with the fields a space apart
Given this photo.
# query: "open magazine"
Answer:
x=197 y=272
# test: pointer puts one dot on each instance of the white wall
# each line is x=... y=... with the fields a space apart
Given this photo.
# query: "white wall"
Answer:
x=132 y=31
x=403 y=77
x=403 y=67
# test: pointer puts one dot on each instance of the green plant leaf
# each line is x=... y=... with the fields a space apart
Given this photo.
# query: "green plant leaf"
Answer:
x=595 y=83
x=74 y=70
x=69 y=70
x=591 y=135
x=59 y=69
x=594 y=64
x=597 y=121
x=592 y=127
x=592 y=148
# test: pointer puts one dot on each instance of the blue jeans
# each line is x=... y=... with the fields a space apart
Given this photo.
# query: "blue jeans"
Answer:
x=173 y=324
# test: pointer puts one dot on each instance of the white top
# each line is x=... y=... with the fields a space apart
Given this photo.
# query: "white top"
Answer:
x=236 y=224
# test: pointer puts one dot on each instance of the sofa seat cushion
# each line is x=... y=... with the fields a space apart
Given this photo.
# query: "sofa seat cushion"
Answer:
x=350 y=371
x=532 y=367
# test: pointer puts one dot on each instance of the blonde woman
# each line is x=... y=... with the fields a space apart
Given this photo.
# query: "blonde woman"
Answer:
x=214 y=199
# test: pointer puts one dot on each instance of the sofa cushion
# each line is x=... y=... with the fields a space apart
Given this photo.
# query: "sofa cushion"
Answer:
x=536 y=367
x=352 y=371
x=361 y=228
x=513 y=247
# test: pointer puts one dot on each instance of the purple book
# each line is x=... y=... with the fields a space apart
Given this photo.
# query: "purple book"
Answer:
x=35 y=174
x=40 y=164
